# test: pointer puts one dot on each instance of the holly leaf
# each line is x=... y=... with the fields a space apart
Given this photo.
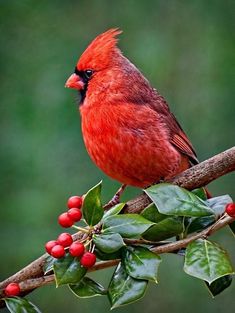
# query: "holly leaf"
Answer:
x=141 y=263
x=108 y=243
x=92 y=208
x=217 y=204
x=174 y=200
x=219 y=285
x=20 y=305
x=114 y=210
x=151 y=213
x=87 y=288
x=198 y=223
x=127 y=225
x=68 y=270
x=200 y=192
x=48 y=264
x=207 y=260
x=124 y=289
x=108 y=256
x=165 y=226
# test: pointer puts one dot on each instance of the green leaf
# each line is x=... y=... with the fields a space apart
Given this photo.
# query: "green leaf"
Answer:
x=114 y=210
x=87 y=288
x=219 y=285
x=141 y=263
x=92 y=208
x=218 y=204
x=232 y=227
x=123 y=289
x=108 y=243
x=152 y=214
x=207 y=260
x=108 y=256
x=127 y=225
x=198 y=223
x=165 y=226
x=201 y=193
x=68 y=270
x=173 y=200
x=20 y=305
x=48 y=264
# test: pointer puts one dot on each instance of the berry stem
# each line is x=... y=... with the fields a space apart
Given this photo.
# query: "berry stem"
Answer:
x=92 y=248
x=88 y=243
x=83 y=240
x=83 y=230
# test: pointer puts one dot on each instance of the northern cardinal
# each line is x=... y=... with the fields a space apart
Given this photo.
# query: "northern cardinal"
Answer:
x=128 y=129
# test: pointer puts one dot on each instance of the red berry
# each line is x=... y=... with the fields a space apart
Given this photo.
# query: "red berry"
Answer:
x=58 y=251
x=64 y=220
x=76 y=249
x=65 y=239
x=49 y=245
x=75 y=214
x=12 y=289
x=88 y=259
x=75 y=202
x=230 y=209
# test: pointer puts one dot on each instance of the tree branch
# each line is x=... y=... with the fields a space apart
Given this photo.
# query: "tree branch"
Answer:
x=32 y=276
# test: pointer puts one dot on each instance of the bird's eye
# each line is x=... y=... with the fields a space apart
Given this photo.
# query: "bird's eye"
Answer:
x=88 y=73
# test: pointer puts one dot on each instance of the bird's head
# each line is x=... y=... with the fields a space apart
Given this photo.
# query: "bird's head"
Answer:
x=101 y=54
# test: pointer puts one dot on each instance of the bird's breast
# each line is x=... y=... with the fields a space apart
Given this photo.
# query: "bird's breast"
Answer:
x=129 y=143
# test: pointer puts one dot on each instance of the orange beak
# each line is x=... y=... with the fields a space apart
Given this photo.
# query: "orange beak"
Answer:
x=75 y=82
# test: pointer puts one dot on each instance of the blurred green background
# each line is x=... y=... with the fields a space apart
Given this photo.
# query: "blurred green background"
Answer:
x=185 y=48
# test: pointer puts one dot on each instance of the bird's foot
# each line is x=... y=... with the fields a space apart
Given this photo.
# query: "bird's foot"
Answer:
x=116 y=198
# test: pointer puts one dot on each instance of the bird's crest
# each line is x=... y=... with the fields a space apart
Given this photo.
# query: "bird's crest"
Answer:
x=100 y=51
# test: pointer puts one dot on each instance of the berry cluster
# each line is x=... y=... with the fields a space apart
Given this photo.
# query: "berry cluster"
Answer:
x=64 y=243
x=58 y=248
x=230 y=209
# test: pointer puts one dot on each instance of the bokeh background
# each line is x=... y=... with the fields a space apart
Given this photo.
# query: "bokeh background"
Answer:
x=185 y=48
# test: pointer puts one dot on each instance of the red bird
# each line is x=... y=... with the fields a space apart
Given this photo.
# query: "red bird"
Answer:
x=128 y=129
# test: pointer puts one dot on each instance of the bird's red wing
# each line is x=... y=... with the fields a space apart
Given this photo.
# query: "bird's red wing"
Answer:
x=177 y=136
x=182 y=143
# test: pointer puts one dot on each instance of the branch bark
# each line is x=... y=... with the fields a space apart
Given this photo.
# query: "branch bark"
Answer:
x=32 y=276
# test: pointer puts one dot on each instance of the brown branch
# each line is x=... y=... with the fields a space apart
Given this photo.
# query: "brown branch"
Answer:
x=30 y=284
x=32 y=270
x=32 y=276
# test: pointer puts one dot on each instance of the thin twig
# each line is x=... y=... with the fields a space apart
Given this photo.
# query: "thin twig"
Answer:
x=144 y=242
